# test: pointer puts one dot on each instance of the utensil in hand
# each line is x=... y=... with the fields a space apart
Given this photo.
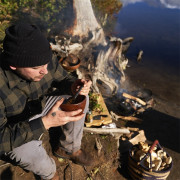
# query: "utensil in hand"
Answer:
x=73 y=98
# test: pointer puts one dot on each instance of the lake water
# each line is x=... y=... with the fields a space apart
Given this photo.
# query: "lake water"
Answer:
x=156 y=30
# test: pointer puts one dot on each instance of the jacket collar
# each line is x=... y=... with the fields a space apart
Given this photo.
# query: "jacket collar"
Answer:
x=13 y=78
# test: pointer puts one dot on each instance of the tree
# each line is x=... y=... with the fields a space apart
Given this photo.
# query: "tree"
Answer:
x=102 y=58
x=109 y=58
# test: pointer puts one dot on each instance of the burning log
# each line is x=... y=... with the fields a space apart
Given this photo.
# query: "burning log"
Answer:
x=134 y=98
x=136 y=102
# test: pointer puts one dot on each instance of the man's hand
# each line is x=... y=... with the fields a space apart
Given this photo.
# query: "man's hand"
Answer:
x=57 y=117
x=85 y=90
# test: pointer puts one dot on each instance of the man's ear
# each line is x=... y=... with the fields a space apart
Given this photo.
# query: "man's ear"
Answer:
x=12 y=67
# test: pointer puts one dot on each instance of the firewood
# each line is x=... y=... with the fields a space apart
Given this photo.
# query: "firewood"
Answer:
x=131 y=118
x=127 y=118
x=133 y=129
x=106 y=130
x=134 y=98
x=139 y=138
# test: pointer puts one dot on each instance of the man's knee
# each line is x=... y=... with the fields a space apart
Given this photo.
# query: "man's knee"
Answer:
x=27 y=152
x=33 y=157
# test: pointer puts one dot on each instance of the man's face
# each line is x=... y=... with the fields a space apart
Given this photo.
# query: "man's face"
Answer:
x=32 y=73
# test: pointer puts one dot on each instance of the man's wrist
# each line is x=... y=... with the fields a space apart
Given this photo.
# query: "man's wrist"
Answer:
x=45 y=122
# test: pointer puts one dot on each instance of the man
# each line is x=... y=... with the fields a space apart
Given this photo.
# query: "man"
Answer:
x=28 y=76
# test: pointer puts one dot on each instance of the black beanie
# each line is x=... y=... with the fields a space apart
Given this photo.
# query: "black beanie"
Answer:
x=25 y=46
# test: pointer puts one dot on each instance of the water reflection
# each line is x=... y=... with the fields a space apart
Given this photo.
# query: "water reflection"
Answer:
x=157 y=3
x=156 y=32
